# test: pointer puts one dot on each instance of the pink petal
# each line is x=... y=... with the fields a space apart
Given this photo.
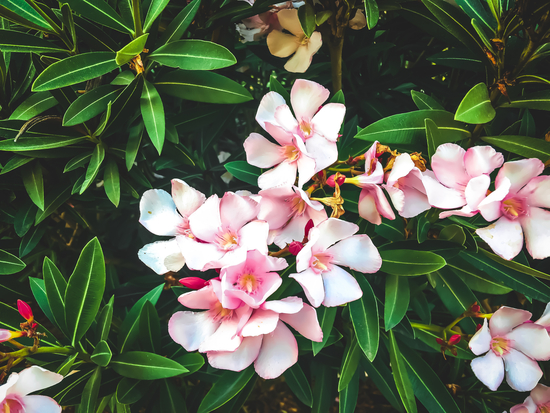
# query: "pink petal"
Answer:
x=537 y=192
x=481 y=341
x=541 y=394
x=158 y=213
x=239 y=359
x=306 y=169
x=235 y=210
x=481 y=160
x=519 y=172
x=324 y=152
x=522 y=373
x=282 y=44
x=489 y=369
x=416 y=202
x=198 y=255
x=261 y=322
x=340 y=287
x=358 y=253
x=285 y=118
x=373 y=205
x=225 y=338
x=269 y=284
x=396 y=195
x=279 y=133
x=476 y=191
x=464 y=212
x=34 y=378
x=186 y=198
x=40 y=404
x=162 y=256
x=190 y=329
x=279 y=352
x=288 y=19
x=203 y=299
x=490 y=207
x=301 y=60
x=440 y=196
x=536 y=227
x=253 y=236
x=505 y=237
x=206 y=220
x=448 y=166
x=544 y=319
x=333 y=230
x=312 y=284
x=288 y=305
x=402 y=166
x=275 y=207
x=307 y=97
x=505 y=319
x=266 y=110
x=532 y=340
x=305 y=322
x=283 y=174
x=262 y=153
x=528 y=406
x=328 y=120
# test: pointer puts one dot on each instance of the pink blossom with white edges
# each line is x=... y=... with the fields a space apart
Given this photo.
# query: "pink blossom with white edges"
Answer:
x=330 y=245
x=519 y=204
x=14 y=395
x=224 y=230
x=287 y=211
x=537 y=402
x=511 y=347
x=167 y=215
x=267 y=341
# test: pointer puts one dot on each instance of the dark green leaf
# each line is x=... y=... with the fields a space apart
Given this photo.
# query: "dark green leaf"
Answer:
x=397 y=300
x=141 y=365
x=93 y=167
x=132 y=146
x=226 y=387
x=111 y=181
x=371 y=13
x=326 y=316
x=31 y=240
x=100 y=12
x=68 y=22
x=34 y=144
x=24 y=218
x=476 y=279
x=56 y=286
x=102 y=354
x=34 y=105
x=131 y=50
x=433 y=137
x=298 y=383
x=275 y=86
x=410 y=263
x=459 y=59
x=149 y=328
x=191 y=361
x=104 y=320
x=193 y=55
x=243 y=171
x=180 y=23
x=22 y=13
x=54 y=199
x=34 y=183
x=124 y=105
x=383 y=379
x=91 y=392
x=155 y=9
x=306 y=15
x=521 y=145
x=349 y=364
x=475 y=10
x=18 y=42
x=152 y=111
x=130 y=391
x=348 y=396
x=364 y=316
x=67 y=365
x=323 y=388
x=77 y=162
x=89 y=105
x=536 y=100
x=16 y=161
x=401 y=377
x=393 y=230
x=476 y=106
x=171 y=400
x=516 y=266
x=39 y=292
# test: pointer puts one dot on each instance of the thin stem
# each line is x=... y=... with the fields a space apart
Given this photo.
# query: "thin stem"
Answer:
x=137 y=18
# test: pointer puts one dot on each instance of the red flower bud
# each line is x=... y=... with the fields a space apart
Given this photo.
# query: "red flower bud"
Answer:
x=195 y=283
x=455 y=339
x=295 y=247
x=309 y=225
x=475 y=308
x=330 y=180
x=478 y=327
x=440 y=341
x=25 y=310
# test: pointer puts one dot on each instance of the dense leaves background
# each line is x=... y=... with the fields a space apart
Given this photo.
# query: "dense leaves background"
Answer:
x=87 y=127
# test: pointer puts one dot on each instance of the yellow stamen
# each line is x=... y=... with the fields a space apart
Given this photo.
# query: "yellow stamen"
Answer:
x=248 y=283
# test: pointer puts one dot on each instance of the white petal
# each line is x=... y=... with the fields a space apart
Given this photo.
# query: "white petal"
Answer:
x=236 y=211
x=261 y=322
x=253 y=236
x=307 y=97
x=279 y=352
x=333 y=230
x=537 y=192
x=283 y=174
x=288 y=305
x=239 y=359
x=191 y=329
x=34 y=378
x=448 y=165
x=198 y=255
x=481 y=341
x=544 y=319
x=519 y=172
x=440 y=196
x=162 y=256
x=224 y=339
x=522 y=373
x=476 y=190
x=40 y=404
x=324 y=152
x=532 y=340
x=481 y=160
x=536 y=227
x=490 y=207
x=262 y=153
x=285 y=118
x=358 y=253
x=340 y=287
x=305 y=322
x=506 y=318
x=206 y=220
x=312 y=284
x=186 y=198
x=489 y=369
x=306 y=169
x=266 y=110
x=328 y=120
x=505 y=237
x=158 y=213
x=540 y=394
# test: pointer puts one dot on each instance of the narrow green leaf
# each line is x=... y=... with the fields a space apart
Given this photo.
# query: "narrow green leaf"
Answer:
x=37 y=144
x=78 y=161
x=397 y=300
x=105 y=319
x=149 y=328
x=85 y=290
x=401 y=376
x=22 y=13
x=171 y=400
x=191 y=361
x=476 y=106
x=131 y=50
x=31 y=240
x=20 y=42
x=243 y=171
x=152 y=111
x=423 y=101
x=275 y=86
x=68 y=22
x=364 y=316
x=382 y=377
x=91 y=392
x=102 y=354
x=123 y=78
x=104 y=120
x=124 y=105
x=89 y=105
x=306 y=15
x=326 y=316
x=410 y=263
x=16 y=161
x=521 y=145
x=130 y=391
x=458 y=58
x=34 y=183
x=93 y=35
x=34 y=105
x=142 y=365
x=193 y=55
x=298 y=383
x=132 y=146
x=93 y=167
x=349 y=364
x=56 y=286
x=516 y=266
x=323 y=388
x=24 y=218
x=432 y=136
x=476 y=279
x=100 y=12
x=155 y=9
x=348 y=396
x=226 y=387
x=180 y=23
x=67 y=365
x=371 y=13
x=111 y=181
x=475 y=10
x=53 y=200
x=39 y=292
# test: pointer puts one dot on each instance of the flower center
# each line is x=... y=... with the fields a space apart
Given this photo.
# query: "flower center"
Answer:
x=219 y=313
x=306 y=128
x=291 y=152
x=321 y=262
x=298 y=205
x=514 y=208
x=500 y=346
x=248 y=282
x=543 y=408
x=11 y=406
x=227 y=240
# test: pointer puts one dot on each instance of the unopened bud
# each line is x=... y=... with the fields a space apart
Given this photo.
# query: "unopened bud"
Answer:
x=25 y=310
x=455 y=339
x=309 y=225
x=475 y=308
x=478 y=327
x=195 y=283
x=440 y=341
x=6 y=335
x=295 y=247
x=330 y=180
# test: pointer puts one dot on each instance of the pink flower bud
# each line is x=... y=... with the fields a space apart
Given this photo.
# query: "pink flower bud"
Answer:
x=25 y=310
x=6 y=335
x=295 y=247
x=340 y=181
x=309 y=225
x=195 y=283
x=440 y=341
x=455 y=339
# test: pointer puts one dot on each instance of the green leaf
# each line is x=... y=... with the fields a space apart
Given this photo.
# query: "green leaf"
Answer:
x=89 y=105
x=105 y=319
x=11 y=320
x=149 y=328
x=155 y=9
x=349 y=364
x=475 y=279
x=323 y=388
x=407 y=128
x=171 y=400
x=519 y=281
x=401 y=376
x=31 y=240
x=476 y=106
x=22 y=13
x=475 y=10
x=348 y=396
x=39 y=292
x=104 y=120
x=193 y=55
x=516 y=266
x=91 y=392
x=423 y=101
x=243 y=171
x=322 y=16
x=93 y=167
x=536 y=100
x=226 y=387
x=458 y=58
x=24 y=218
x=142 y=365
x=16 y=161
x=528 y=127
x=85 y=291
x=453 y=233
x=124 y=105
x=397 y=300
x=180 y=23
x=371 y=13
x=326 y=316
x=100 y=12
x=275 y=86
x=383 y=379
x=364 y=316
x=429 y=338
x=54 y=200
x=56 y=286
x=152 y=111
x=393 y=230
x=410 y=263
x=34 y=105
x=77 y=162
x=34 y=183
x=131 y=50
x=68 y=22
x=111 y=181
x=132 y=146
x=521 y=145
x=75 y=69
x=20 y=42
x=102 y=354
x=306 y=15
x=37 y=144
x=130 y=391
x=298 y=383
x=432 y=136
x=191 y=361
x=67 y=365
x=202 y=86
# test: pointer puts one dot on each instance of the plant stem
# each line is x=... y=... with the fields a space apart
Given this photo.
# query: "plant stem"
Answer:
x=336 y=46
x=137 y=18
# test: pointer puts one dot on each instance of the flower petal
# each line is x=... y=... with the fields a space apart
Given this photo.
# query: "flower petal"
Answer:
x=225 y=338
x=191 y=329
x=199 y=255
x=268 y=105
x=536 y=227
x=440 y=196
x=261 y=322
x=373 y=204
x=476 y=191
x=544 y=319
x=481 y=341
x=540 y=394
x=522 y=373
x=279 y=352
x=537 y=191
x=448 y=166
x=506 y=318
x=283 y=174
x=307 y=97
x=288 y=305
x=505 y=237
x=40 y=404
x=324 y=152
x=312 y=284
x=162 y=256
x=253 y=236
x=333 y=230
x=236 y=211
x=262 y=153
x=340 y=287
x=301 y=60
x=305 y=322
x=358 y=253
x=34 y=378
x=203 y=299
x=489 y=369
x=532 y=340
x=328 y=120
x=186 y=198
x=306 y=169
x=480 y=160
x=206 y=220
x=286 y=123
x=158 y=213
x=288 y=19
x=281 y=44
x=415 y=203
x=239 y=359
x=528 y=406
x=519 y=172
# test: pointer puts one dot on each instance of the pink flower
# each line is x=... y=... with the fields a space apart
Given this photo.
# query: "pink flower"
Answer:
x=224 y=230
x=159 y=214
x=14 y=394
x=251 y=281
x=283 y=44
x=331 y=244
x=7 y=335
x=537 y=402
x=461 y=177
x=253 y=29
x=518 y=203
x=287 y=211
x=267 y=341
x=213 y=330
x=511 y=346
x=405 y=187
